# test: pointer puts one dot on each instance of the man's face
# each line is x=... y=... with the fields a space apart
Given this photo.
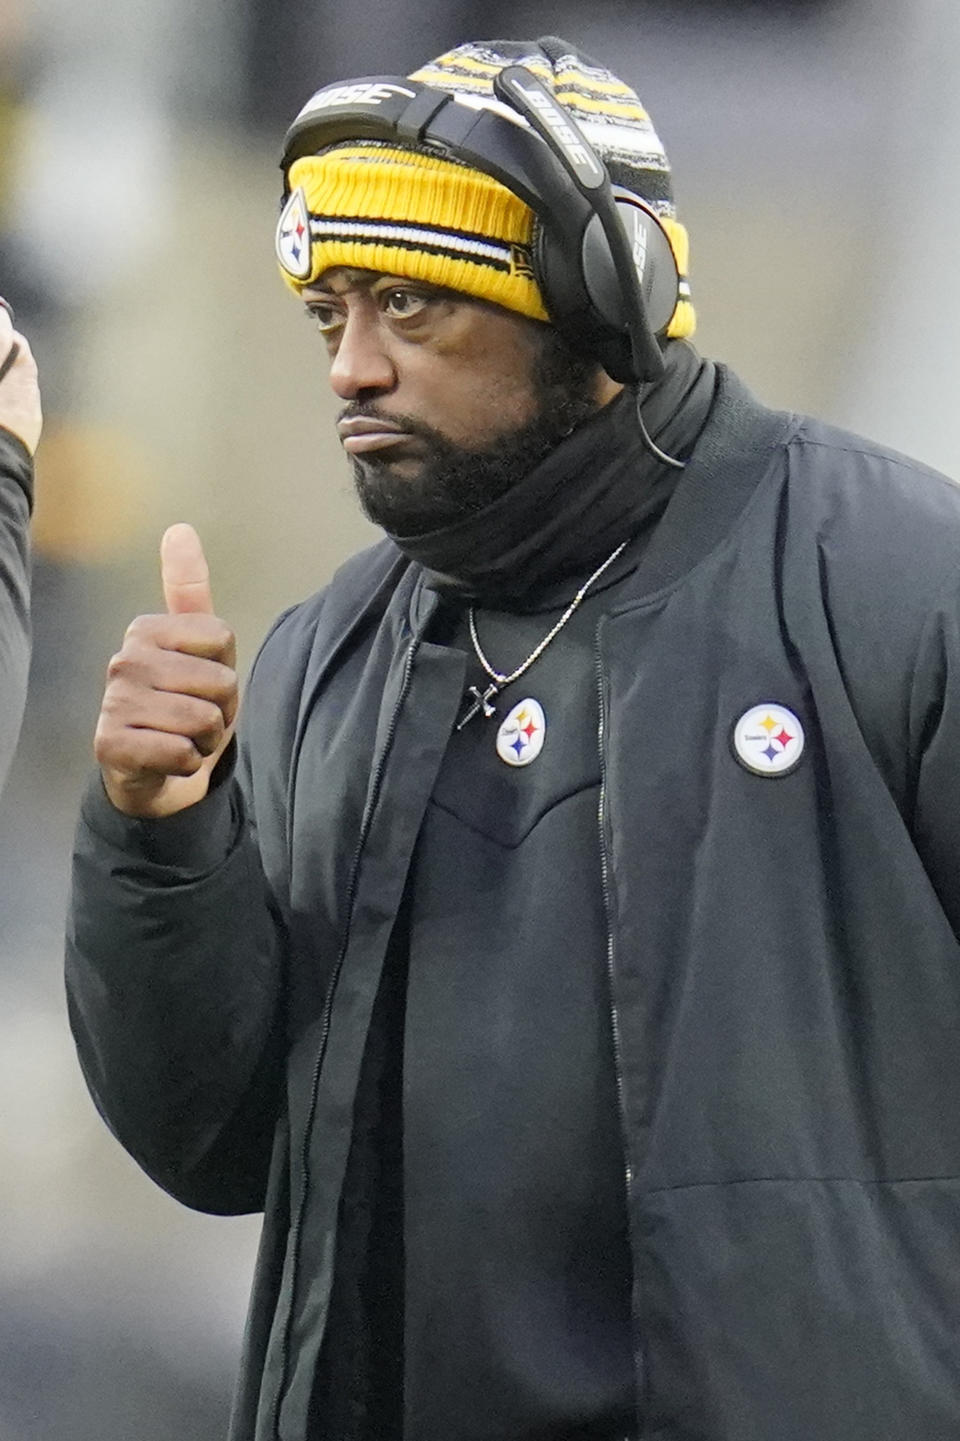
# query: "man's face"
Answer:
x=449 y=400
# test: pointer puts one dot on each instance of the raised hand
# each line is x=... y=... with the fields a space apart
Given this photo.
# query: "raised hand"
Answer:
x=170 y=704
x=19 y=389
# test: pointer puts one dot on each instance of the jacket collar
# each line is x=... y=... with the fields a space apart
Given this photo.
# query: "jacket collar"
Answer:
x=734 y=452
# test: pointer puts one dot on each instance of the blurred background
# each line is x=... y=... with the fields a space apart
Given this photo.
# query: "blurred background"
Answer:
x=814 y=150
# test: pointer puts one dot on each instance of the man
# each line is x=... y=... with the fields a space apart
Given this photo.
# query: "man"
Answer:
x=566 y=959
x=20 y=423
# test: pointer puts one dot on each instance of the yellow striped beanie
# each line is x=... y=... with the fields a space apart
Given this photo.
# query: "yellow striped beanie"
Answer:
x=400 y=211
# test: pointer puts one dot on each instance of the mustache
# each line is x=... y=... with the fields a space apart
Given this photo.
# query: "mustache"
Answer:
x=367 y=410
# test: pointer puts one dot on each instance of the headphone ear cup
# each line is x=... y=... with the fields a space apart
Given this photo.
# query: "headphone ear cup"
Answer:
x=584 y=295
x=569 y=305
x=652 y=255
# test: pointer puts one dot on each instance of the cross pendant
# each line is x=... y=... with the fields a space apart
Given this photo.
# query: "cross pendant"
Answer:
x=482 y=701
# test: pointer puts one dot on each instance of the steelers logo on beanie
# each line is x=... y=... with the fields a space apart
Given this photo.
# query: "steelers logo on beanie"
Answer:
x=374 y=205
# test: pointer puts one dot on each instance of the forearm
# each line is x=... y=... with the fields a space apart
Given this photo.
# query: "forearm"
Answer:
x=173 y=961
x=16 y=498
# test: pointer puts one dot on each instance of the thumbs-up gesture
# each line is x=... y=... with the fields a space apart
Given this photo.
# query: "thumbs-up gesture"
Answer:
x=170 y=704
x=19 y=391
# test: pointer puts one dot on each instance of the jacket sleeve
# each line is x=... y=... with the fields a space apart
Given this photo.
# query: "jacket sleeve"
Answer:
x=16 y=499
x=174 y=952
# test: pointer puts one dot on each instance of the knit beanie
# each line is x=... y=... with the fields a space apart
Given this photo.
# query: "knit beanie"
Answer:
x=406 y=212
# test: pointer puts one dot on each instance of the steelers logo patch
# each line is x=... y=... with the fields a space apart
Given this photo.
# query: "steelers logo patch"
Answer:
x=521 y=736
x=768 y=740
x=293 y=236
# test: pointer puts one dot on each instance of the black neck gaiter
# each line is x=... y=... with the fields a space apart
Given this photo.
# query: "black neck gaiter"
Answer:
x=594 y=490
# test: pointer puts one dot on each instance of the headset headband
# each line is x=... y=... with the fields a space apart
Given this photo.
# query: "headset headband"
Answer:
x=403 y=112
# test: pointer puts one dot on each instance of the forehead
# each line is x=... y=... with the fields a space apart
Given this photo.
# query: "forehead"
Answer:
x=340 y=279
x=351 y=280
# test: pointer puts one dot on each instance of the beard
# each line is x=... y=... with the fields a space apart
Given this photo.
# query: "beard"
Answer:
x=455 y=482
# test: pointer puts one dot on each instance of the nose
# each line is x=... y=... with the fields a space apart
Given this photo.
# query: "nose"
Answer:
x=361 y=363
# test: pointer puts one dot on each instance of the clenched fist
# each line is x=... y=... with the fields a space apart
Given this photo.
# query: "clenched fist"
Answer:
x=170 y=705
x=19 y=389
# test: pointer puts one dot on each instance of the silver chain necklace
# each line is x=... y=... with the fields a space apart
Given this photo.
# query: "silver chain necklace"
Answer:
x=481 y=702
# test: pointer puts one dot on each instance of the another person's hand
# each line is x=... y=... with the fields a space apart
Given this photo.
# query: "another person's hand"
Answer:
x=170 y=705
x=19 y=391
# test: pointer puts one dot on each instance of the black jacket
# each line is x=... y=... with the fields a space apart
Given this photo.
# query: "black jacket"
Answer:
x=784 y=964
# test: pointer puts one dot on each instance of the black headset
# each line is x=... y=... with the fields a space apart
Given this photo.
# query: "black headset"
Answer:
x=601 y=259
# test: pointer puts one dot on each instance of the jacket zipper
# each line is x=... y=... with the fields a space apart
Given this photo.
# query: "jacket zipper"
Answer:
x=376 y=782
x=614 y=1013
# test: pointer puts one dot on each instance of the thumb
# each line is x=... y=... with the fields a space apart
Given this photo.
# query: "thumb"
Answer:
x=183 y=567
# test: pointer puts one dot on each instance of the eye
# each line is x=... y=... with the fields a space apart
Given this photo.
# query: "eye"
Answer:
x=402 y=304
x=324 y=315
